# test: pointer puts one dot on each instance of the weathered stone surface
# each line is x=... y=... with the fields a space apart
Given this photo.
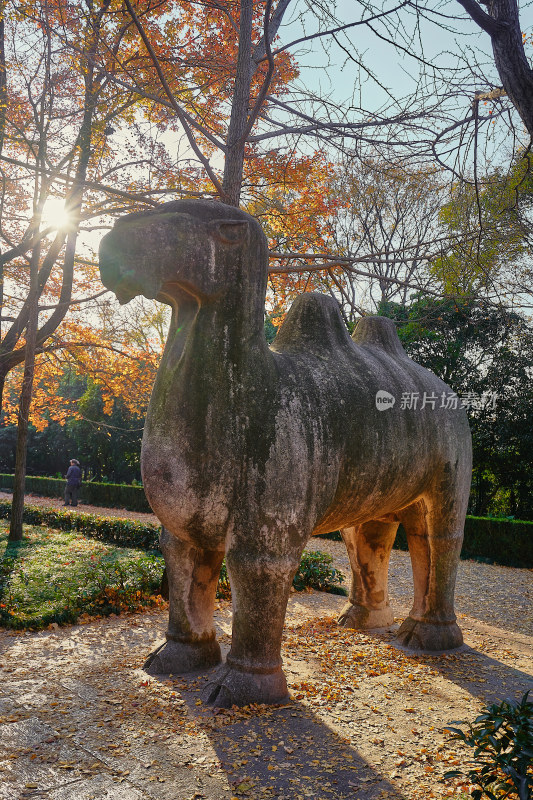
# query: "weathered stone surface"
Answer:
x=249 y=451
x=100 y=787
x=7 y=706
x=182 y=657
x=30 y=694
x=25 y=773
x=24 y=734
x=82 y=690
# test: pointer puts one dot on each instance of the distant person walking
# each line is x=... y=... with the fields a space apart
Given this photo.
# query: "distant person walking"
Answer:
x=73 y=483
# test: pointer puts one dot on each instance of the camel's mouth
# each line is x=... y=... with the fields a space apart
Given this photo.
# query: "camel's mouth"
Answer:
x=127 y=288
x=123 y=282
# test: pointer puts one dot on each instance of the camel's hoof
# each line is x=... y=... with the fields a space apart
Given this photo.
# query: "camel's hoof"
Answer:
x=177 y=658
x=429 y=636
x=361 y=618
x=231 y=687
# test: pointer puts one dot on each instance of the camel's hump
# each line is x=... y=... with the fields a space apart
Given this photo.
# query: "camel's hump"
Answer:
x=379 y=332
x=314 y=323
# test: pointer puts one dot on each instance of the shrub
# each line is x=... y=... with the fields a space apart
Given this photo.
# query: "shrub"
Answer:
x=223 y=585
x=315 y=571
x=502 y=738
x=113 y=530
x=504 y=541
x=495 y=541
x=56 y=576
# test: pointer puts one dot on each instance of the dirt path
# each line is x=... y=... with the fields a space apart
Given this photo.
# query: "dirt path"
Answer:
x=79 y=720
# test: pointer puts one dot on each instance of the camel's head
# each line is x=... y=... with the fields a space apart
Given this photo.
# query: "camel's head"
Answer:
x=200 y=246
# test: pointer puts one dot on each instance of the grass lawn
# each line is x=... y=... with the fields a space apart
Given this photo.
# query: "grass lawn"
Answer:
x=56 y=576
x=59 y=575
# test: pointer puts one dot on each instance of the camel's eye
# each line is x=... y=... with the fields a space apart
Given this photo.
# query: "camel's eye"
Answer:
x=230 y=231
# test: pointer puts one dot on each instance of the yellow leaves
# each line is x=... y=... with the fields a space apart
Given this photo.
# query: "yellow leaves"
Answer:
x=122 y=370
x=244 y=786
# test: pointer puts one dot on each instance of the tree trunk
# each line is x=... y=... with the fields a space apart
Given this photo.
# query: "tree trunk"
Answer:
x=234 y=163
x=3 y=111
x=17 y=507
x=511 y=61
x=2 y=387
x=502 y=23
x=3 y=77
x=9 y=355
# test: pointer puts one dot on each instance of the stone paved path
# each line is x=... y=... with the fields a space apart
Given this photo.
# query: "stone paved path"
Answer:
x=79 y=720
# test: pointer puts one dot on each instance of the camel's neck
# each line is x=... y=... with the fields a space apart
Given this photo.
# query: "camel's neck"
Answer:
x=216 y=347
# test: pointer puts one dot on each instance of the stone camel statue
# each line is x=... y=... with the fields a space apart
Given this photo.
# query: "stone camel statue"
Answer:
x=249 y=451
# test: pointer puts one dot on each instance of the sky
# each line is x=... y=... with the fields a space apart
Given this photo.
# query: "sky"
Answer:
x=463 y=46
x=327 y=67
x=393 y=67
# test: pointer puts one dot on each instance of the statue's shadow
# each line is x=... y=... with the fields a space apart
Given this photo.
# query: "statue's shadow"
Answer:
x=481 y=675
x=284 y=752
x=484 y=677
x=291 y=752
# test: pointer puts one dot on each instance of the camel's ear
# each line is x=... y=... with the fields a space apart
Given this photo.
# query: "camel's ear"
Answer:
x=230 y=231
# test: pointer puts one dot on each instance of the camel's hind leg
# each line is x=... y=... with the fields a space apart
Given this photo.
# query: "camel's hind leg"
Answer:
x=369 y=546
x=192 y=578
x=434 y=534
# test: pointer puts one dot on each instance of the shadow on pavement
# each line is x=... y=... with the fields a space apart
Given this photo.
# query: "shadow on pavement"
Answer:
x=484 y=677
x=285 y=752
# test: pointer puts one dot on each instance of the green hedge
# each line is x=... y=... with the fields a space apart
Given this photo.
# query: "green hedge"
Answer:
x=507 y=542
x=501 y=541
x=504 y=541
x=109 y=495
x=112 y=530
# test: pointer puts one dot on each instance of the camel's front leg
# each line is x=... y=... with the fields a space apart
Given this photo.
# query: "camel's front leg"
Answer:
x=369 y=546
x=260 y=586
x=192 y=579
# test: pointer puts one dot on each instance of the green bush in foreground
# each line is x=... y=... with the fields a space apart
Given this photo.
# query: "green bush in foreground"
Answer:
x=58 y=575
x=502 y=738
x=315 y=572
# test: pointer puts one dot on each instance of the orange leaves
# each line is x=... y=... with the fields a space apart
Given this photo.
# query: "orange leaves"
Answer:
x=344 y=657
x=122 y=361
x=296 y=202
